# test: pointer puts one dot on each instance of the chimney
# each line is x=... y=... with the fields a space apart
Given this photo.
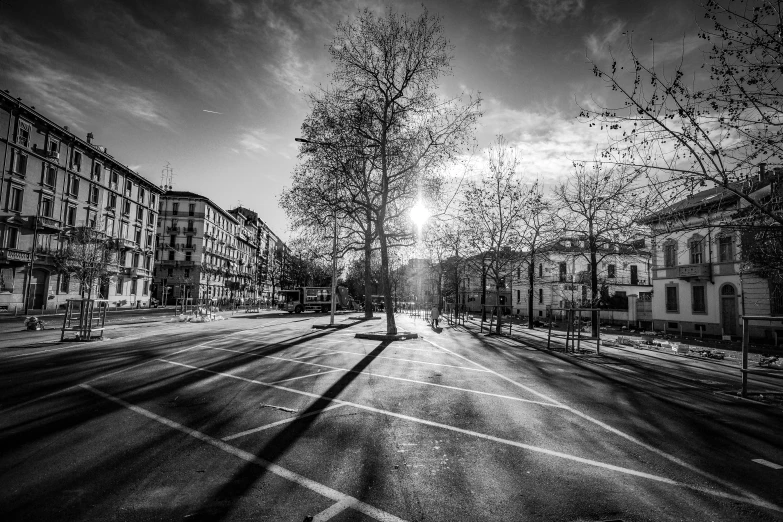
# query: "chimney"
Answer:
x=762 y=171
x=90 y=137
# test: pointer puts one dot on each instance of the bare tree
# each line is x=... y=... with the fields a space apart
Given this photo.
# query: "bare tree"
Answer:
x=603 y=204
x=689 y=131
x=492 y=208
x=89 y=256
x=391 y=64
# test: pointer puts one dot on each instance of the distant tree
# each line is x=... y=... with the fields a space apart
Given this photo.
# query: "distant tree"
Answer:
x=492 y=208
x=390 y=65
x=603 y=205
x=89 y=256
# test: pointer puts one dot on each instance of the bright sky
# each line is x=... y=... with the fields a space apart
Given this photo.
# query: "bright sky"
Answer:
x=215 y=87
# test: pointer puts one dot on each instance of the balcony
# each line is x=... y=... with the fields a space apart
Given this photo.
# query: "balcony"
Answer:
x=697 y=271
x=46 y=225
x=126 y=244
x=189 y=230
x=139 y=272
x=172 y=230
x=14 y=255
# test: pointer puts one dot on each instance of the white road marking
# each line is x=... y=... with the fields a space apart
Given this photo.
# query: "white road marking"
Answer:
x=281 y=422
x=755 y=498
x=305 y=376
x=518 y=399
x=280 y=471
x=399 y=359
x=332 y=511
x=767 y=463
x=744 y=499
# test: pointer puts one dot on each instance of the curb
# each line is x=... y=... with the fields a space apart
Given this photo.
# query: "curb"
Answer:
x=382 y=336
x=330 y=326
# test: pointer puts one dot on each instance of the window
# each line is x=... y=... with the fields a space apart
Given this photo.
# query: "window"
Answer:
x=124 y=231
x=173 y=223
x=15 y=199
x=672 y=302
x=139 y=213
x=699 y=303
x=128 y=187
x=92 y=218
x=18 y=162
x=70 y=216
x=136 y=259
x=126 y=206
x=672 y=326
x=112 y=204
x=137 y=235
x=94 y=195
x=74 y=188
x=53 y=148
x=149 y=239
x=147 y=262
x=189 y=241
x=97 y=169
x=172 y=240
x=670 y=254
x=540 y=270
x=150 y=218
x=725 y=249
x=12 y=237
x=170 y=272
x=191 y=209
x=696 y=248
x=23 y=133
x=175 y=211
x=152 y=200
x=109 y=226
x=46 y=207
x=540 y=296
x=171 y=255
x=76 y=161
x=611 y=271
x=187 y=272
x=65 y=283
x=562 y=269
x=146 y=287
x=190 y=225
x=118 y=290
x=114 y=178
x=140 y=198
x=134 y=286
x=188 y=256
x=49 y=175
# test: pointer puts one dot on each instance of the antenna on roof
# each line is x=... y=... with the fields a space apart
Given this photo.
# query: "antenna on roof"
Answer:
x=167 y=177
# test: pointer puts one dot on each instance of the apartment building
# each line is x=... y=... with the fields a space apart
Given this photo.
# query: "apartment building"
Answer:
x=701 y=286
x=197 y=255
x=247 y=272
x=53 y=181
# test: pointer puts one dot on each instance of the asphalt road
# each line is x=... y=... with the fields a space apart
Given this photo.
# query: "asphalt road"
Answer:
x=261 y=417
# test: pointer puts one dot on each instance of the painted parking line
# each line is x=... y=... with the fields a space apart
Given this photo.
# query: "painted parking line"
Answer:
x=767 y=463
x=281 y=422
x=536 y=449
x=398 y=359
x=755 y=499
x=455 y=388
x=280 y=471
x=305 y=376
x=332 y=511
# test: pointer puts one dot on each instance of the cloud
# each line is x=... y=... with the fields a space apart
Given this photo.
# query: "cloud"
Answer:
x=599 y=44
x=555 y=10
x=255 y=140
x=547 y=141
x=72 y=96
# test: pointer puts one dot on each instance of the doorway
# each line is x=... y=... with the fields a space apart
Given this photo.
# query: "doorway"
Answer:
x=37 y=292
x=728 y=310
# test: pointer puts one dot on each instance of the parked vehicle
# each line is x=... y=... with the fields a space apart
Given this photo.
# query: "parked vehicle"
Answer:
x=770 y=361
x=34 y=323
x=313 y=298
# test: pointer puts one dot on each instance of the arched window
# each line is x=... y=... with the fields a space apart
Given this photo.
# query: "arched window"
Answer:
x=540 y=296
x=727 y=290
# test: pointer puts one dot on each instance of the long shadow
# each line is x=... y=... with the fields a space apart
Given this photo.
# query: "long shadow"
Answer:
x=250 y=473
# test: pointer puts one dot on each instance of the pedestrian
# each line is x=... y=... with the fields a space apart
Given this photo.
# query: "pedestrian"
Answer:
x=435 y=313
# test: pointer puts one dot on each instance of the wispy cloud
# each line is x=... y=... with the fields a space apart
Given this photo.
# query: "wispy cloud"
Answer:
x=72 y=96
x=555 y=11
x=599 y=44
x=257 y=140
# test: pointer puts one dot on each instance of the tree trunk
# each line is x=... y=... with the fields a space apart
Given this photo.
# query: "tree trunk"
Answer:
x=368 y=276
x=594 y=316
x=391 y=326
x=483 y=292
x=531 y=278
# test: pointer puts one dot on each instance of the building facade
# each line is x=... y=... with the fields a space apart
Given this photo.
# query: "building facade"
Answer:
x=197 y=254
x=53 y=181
